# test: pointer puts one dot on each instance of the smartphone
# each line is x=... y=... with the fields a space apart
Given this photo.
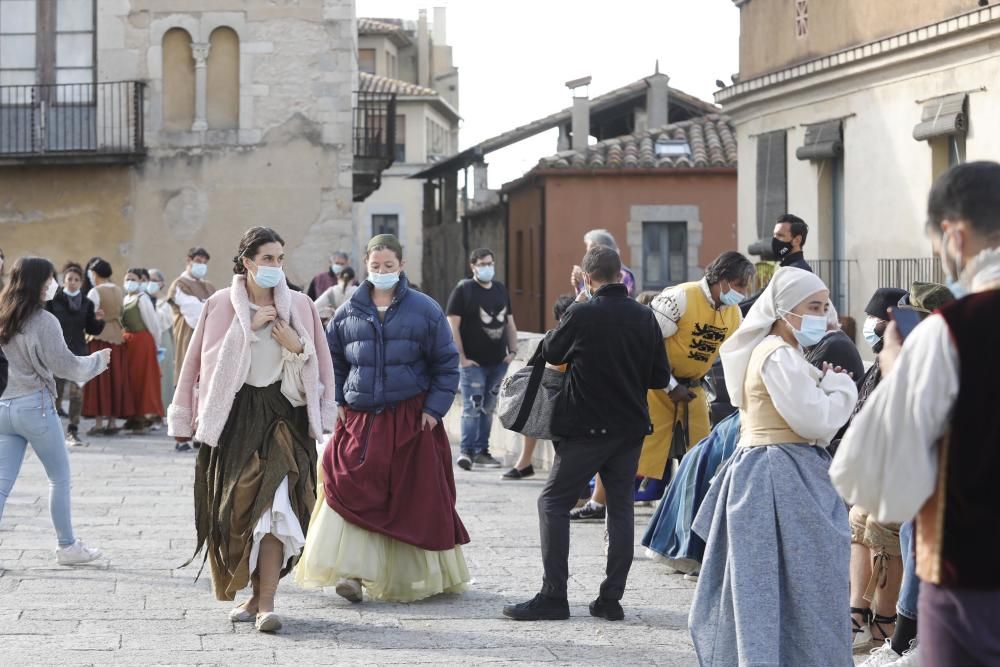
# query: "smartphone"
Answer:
x=906 y=320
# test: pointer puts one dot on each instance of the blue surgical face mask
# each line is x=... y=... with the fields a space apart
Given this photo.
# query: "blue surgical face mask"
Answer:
x=131 y=286
x=199 y=270
x=871 y=337
x=812 y=331
x=731 y=297
x=267 y=276
x=70 y=293
x=152 y=288
x=485 y=273
x=383 y=281
x=336 y=268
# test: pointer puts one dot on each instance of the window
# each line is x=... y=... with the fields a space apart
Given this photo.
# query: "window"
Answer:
x=400 y=155
x=665 y=147
x=664 y=249
x=45 y=42
x=366 y=60
x=772 y=181
x=946 y=152
x=223 y=80
x=801 y=18
x=393 y=66
x=385 y=224
x=48 y=41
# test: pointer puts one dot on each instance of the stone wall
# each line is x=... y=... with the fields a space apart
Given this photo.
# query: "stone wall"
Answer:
x=287 y=165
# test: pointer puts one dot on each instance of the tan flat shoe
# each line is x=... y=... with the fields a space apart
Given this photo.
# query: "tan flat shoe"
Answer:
x=268 y=622
x=241 y=615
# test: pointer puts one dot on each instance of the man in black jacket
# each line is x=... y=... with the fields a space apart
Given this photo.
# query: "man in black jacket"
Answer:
x=615 y=353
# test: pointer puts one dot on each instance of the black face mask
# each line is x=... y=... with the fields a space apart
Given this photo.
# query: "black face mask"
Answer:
x=780 y=248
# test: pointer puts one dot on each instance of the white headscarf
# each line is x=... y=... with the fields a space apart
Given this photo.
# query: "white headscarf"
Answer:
x=788 y=288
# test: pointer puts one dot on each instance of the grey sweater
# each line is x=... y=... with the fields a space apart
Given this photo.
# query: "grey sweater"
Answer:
x=38 y=354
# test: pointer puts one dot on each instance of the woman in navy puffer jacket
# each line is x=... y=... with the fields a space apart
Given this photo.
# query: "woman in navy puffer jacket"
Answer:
x=387 y=520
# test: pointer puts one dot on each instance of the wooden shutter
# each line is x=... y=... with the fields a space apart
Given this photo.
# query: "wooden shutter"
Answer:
x=941 y=117
x=772 y=180
x=824 y=141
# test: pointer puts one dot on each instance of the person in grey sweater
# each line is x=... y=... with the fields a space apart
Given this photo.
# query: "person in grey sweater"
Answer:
x=32 y=340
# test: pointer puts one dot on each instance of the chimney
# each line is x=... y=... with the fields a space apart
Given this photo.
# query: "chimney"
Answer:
x=581 y=113
x=423 y=51
x=480 y=181
x=657 y=99
x=439 y=30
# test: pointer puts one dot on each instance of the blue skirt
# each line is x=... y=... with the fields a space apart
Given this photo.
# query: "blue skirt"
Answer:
x=668 y=534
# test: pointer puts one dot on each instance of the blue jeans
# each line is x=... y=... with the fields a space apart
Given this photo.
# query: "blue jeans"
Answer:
x=33 y=419
x=910 y=590
x=480 y=387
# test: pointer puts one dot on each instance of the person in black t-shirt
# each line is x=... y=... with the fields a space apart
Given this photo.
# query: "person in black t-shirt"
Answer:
x=486 y=337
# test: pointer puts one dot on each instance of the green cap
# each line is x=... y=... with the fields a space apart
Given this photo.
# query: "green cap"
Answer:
x=927 y=297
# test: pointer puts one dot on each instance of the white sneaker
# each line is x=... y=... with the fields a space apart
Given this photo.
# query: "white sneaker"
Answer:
x=77 y=554
x=881 y=656
x=691 y=576
x=910 y=656
x=349 y=589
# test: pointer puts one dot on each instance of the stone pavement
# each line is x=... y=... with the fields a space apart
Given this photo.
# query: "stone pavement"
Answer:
x=132 y=498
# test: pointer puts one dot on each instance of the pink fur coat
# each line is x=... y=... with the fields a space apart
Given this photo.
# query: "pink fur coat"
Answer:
x=218 y=360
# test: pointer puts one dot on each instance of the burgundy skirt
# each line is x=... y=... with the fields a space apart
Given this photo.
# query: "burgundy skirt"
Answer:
x=109 y=394
x=382 y=472
x=143 y=373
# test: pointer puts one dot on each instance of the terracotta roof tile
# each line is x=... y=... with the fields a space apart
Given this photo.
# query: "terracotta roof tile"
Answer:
x=371 y=82
x=711 y=140
x=369 y=26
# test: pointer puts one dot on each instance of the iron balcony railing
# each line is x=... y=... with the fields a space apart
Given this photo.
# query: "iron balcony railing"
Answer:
x=902 y=273
x=72 y=119
x=375 y=127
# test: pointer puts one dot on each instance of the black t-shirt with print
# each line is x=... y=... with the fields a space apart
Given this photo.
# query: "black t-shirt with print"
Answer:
x=484 y=315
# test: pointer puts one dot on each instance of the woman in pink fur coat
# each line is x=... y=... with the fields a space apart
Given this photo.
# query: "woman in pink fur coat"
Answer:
x=258 y=390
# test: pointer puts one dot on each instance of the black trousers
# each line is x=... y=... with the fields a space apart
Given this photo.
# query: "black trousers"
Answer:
x=576 y=461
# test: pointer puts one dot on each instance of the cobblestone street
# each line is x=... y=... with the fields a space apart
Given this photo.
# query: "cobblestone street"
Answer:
x=132 y=499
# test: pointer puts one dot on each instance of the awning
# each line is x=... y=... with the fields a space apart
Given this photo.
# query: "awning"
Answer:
x=942 y=117
x=824 y=141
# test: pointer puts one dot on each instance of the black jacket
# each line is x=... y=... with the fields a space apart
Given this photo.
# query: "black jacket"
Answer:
x=75 y=323
x=797 y=260
x=615 y=353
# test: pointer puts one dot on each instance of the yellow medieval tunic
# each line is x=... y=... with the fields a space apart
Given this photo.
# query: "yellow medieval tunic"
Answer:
x=701 y=330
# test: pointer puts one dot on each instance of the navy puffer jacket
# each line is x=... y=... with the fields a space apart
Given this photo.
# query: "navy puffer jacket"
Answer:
x=379 y=364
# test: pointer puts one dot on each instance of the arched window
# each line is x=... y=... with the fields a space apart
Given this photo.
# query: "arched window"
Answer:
x=223 y=89
x=178 y=81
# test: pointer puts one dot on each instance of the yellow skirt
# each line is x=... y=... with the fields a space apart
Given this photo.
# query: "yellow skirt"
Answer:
x=391 y=570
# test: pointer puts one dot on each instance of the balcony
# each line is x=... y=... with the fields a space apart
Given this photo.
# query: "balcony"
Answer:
x=374 y=140
x=902 y=273
x=73 y=123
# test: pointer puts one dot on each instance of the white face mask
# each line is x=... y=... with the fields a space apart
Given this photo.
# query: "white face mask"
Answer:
x=51 y=289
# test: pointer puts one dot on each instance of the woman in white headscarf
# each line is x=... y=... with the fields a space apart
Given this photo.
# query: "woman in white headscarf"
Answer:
x=774 y=580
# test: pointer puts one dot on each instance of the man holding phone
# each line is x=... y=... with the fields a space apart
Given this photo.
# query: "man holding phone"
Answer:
x=926 y=442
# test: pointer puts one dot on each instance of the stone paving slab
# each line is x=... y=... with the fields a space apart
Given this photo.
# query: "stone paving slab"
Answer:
x=132 y=498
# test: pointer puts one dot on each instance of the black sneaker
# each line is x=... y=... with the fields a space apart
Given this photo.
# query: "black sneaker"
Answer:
x=589 y=512
x=523 y=473
x=487 y=461
x=464 y=462
x=539 y=608
x=182 y=447
x=605 y=608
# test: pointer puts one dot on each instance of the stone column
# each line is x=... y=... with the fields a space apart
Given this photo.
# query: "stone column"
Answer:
x=200 y=53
